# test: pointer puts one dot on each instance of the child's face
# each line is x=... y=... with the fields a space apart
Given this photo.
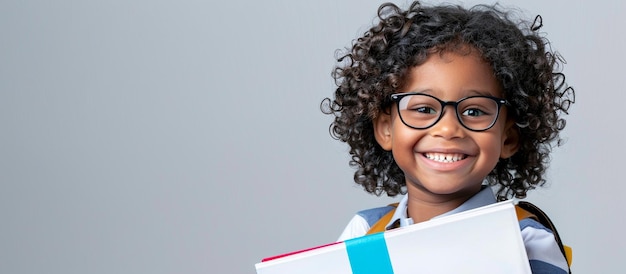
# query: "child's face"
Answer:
x=470 y=155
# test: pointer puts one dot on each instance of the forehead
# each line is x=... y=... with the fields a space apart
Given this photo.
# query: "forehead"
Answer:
x=453 y=75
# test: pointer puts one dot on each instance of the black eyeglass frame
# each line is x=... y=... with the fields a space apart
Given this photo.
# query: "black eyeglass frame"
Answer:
x=396 y=97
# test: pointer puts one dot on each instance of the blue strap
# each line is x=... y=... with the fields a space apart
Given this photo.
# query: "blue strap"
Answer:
x=369 y=254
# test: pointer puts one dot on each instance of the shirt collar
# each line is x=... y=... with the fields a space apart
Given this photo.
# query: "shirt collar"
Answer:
x=482 y=198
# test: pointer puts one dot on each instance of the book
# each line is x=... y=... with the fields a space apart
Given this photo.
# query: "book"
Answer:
x=481 y=240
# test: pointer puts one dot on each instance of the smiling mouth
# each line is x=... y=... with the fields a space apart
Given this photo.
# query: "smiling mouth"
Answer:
x=445 y=158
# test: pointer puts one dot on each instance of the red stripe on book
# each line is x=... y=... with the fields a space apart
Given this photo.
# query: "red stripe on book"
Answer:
x=296 y=252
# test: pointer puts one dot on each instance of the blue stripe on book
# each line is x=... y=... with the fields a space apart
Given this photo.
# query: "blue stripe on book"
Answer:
x=369 y=254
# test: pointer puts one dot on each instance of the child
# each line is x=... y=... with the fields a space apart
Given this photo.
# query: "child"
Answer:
x=434 y=101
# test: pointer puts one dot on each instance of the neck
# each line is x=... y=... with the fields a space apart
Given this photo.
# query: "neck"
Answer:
x=423 y=206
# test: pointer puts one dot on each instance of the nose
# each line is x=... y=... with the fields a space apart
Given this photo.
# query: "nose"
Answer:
x=449 y=126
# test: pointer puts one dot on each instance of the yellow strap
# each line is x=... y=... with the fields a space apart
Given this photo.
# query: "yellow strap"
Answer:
x=568 y=254
x=381 y=224
x=523 y=214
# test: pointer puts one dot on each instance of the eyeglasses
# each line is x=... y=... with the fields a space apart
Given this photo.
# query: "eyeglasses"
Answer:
x=421 y=111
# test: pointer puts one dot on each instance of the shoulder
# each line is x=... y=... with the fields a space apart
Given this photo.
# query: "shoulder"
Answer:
x=362 y=221
x=372 y=215
x=543 y=251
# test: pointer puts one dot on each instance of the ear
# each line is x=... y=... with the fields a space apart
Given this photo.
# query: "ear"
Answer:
x=382 y=130
x=510 y=140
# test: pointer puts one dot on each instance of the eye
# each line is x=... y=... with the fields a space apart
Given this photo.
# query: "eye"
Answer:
x=420 y=106
x=473 y=112
x=424 y=109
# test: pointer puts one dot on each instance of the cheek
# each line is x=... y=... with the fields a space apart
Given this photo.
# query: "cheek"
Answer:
x=402 y=135
x=492 y=145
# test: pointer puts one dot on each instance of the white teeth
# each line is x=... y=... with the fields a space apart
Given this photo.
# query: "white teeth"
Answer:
x=444 y=158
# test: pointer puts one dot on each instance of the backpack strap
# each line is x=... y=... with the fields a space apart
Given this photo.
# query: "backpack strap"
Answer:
x=381 y=224
x=523 y=210
x=528 y=210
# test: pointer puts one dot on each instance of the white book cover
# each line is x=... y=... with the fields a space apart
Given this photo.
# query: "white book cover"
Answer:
x=481 y=240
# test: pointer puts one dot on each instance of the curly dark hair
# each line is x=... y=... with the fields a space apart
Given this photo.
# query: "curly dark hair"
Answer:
x=377 y=66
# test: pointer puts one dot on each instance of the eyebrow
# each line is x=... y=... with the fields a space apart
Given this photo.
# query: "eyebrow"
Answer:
x=466 y=93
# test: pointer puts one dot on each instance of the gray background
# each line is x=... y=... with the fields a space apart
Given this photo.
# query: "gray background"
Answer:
x=186 y=137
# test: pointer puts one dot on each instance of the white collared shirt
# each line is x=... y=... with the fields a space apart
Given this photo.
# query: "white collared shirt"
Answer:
x=543 y=251
x=482 y=198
